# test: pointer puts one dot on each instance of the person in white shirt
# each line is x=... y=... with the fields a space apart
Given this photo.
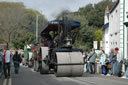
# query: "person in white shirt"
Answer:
x=7 y=60
x=119 y=57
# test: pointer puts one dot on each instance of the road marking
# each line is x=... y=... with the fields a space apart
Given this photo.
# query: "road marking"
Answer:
x=5 y=82
x=71 y=80
x=10 y=81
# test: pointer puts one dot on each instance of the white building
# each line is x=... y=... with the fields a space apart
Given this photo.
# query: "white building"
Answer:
x=106 y=31
x=115 y=32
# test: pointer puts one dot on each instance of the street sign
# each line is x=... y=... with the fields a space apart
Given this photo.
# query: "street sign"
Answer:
x=101 y=44
x=95 y=44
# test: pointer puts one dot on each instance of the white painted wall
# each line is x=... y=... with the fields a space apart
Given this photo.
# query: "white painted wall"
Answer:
x=106 y=40
x=114 y=21
x=117 y=36
x=126 y=29
x=106 y=19
x=106 y=33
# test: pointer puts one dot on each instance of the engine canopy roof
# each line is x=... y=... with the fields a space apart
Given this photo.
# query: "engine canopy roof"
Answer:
x=53 y=25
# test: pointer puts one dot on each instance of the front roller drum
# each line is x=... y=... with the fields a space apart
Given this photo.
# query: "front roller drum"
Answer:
x=69 y=64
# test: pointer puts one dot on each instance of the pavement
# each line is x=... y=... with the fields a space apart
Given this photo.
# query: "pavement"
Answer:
x=27 y=76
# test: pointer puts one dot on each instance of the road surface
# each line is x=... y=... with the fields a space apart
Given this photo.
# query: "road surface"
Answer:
x=29 y=77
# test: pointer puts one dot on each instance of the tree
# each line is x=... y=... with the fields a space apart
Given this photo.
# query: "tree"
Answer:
x=31 y=17
x=16 y=21
x=91 y=18
x=10 y=18
x=98 y=37
x=28 y=38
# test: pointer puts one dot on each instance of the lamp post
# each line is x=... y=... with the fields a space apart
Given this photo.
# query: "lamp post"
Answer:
x=37 y=28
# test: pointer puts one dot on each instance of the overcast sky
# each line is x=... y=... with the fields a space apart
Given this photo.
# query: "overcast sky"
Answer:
x=50 y=8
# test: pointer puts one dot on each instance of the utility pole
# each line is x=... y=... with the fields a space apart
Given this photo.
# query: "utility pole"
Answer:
x=37 y=28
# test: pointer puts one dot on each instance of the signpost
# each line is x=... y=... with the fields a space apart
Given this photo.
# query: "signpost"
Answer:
x=37 y=28
x=95 y=43
x=101 y=44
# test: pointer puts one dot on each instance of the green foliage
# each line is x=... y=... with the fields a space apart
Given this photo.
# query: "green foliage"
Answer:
x=95 y=13
x=91 y=18
x=98 y=35
x=28 y=38
x=16 y=21
x=17 y=24
x=31 y=18
x=11 y=16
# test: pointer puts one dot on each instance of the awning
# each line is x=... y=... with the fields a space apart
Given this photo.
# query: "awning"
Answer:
x=105 y=26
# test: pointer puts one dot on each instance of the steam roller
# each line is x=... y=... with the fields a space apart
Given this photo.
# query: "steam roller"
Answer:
x=57 y=53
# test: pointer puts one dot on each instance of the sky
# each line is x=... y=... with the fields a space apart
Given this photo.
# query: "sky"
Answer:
x=50 y=8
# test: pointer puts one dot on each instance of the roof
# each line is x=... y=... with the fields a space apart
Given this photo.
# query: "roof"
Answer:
x=114 y=6
x=53 y=25
x=2 y=45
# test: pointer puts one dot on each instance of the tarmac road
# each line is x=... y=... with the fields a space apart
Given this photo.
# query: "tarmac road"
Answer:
x=28 y=77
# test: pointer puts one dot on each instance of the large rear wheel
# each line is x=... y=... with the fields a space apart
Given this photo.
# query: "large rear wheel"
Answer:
x=43 y=65
x=44 y=69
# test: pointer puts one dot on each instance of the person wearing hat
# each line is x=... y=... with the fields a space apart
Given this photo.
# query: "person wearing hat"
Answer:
x=113 y=62
x=119 y=56
x=118 y=63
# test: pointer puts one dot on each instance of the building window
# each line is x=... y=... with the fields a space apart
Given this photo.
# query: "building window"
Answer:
x=112 y=16
x=116 y=11
x=115 y=33
x=116 y=43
